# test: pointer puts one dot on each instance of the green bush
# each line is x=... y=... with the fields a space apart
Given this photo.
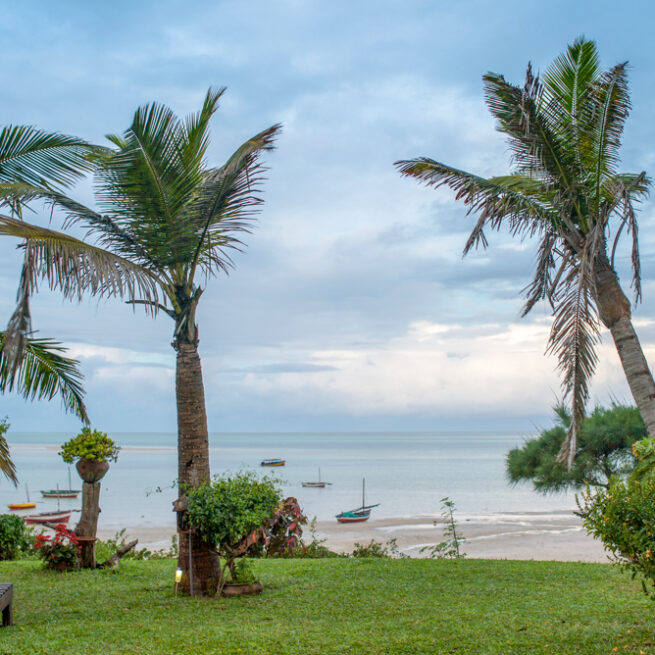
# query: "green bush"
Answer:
x=604 y=449
x=12 y=531
x=90 y=444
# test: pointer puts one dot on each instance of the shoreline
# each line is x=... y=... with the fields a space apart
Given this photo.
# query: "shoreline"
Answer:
x=511 y=535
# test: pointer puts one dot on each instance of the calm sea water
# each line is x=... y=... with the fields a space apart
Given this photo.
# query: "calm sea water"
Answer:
x=407 y=473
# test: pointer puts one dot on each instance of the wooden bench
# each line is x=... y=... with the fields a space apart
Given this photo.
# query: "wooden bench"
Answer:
x=6 y=597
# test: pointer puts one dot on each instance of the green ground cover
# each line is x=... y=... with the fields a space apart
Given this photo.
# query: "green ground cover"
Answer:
x=361 y=606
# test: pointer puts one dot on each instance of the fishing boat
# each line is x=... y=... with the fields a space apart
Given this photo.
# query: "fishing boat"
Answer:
x=48 y=517
x=316 y=485
x=272 y=462
x=359 y=514
x=28 y=505
x=61 y=493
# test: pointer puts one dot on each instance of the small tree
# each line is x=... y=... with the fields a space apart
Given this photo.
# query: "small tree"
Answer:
x=603 y=450
x=450 y=546
x=236 y=513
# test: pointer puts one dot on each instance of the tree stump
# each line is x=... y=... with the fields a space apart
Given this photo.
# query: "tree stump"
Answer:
x=88 y=525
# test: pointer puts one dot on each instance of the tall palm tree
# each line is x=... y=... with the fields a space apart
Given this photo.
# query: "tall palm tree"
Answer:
x=564 y=133
x=43 y=373
x=163 y=209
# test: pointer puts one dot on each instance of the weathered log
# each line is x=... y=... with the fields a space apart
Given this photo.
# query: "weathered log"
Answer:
x=114 y=561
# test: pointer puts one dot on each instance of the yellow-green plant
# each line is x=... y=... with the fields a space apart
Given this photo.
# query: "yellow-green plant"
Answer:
x=90 y=444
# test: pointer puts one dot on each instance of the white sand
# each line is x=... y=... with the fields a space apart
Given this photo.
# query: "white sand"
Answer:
x=513 y=535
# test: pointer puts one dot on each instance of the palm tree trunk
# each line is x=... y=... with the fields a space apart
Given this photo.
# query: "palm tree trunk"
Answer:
x=193 y=467
x=614 y=310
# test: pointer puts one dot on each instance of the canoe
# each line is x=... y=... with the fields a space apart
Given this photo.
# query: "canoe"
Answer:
x=48 y=517
x=22 y=506
x=60 y=493
x=272 y=462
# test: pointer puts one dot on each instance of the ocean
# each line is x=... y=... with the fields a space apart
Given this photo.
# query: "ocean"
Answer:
x=407 y=473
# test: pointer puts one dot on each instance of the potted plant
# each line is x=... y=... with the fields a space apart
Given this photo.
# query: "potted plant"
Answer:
x=92 y=450
x=60 y=552
x=238 y=514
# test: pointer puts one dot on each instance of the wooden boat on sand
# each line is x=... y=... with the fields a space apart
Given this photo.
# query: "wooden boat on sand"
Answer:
x=359 y=514
x=48 y=517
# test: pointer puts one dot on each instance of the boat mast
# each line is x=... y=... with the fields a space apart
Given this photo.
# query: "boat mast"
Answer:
x=363 y=492
x=27 y=493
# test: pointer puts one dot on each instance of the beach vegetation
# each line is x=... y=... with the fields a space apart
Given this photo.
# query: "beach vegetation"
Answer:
x=90 y=444
x=373 y=548
x=60 y=551
x=241 y=512
x=604 y=450
x=167 y=223
x=12 y=535
x=564 y=131
x=449 y=548
x=366 y=606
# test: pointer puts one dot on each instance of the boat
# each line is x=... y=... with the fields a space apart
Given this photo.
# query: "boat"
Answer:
x=359 y=514
x=28 y=505
x=272 y=462
x=48 y=517
x=316 y=485
x=61 y=493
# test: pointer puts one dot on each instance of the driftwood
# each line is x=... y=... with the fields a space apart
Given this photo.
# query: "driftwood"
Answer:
x=115 y=560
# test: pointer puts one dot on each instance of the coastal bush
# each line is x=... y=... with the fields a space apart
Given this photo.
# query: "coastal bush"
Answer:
x=623 y=517
x=12 y=531
x=90 y=444
x=378 y=549
x=240 y=512
x=605 y=440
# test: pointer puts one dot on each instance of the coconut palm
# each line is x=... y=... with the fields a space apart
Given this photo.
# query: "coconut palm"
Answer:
x=564 y=133
x=162 y=208
x=43 y=373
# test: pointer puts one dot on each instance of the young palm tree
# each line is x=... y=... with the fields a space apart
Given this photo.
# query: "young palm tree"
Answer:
x=44 y=372
x=175 y=218
x=564 y=132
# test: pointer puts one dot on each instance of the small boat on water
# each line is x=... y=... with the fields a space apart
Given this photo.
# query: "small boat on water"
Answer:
x=28 y=505
x=359 y=514
x=316 y=485
x=48 y=517
x=272 y=462
x=61 y=493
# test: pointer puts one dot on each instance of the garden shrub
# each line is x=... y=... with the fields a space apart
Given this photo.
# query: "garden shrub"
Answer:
x=12 y=535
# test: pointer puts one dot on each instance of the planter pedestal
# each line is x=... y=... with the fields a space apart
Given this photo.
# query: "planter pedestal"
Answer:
x=91 y=471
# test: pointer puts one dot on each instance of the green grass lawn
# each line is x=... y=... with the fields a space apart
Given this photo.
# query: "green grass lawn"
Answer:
x=335 y=606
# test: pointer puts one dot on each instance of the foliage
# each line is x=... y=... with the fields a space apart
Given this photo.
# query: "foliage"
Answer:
x=334 y=607
x=564 y=132
x=62 y=548
x=238 y=512
x=449 y=547
x=43 y=373
x=378 y=549
x=244 y=571
x=314 y=548
x=105 y=548
x=7 y=467
x=605 y=439
x=90 y=444
x=12 y=529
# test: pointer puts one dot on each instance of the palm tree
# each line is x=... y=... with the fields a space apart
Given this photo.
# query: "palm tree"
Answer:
x=44 y=372
x=176 y=219
x=564 y=133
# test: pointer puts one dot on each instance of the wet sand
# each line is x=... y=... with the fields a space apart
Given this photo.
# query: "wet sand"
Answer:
x=512 y=535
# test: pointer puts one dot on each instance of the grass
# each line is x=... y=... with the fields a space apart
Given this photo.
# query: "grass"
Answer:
x=361 y=606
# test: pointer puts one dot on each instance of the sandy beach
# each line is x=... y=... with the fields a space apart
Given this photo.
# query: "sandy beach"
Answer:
x=512 y=535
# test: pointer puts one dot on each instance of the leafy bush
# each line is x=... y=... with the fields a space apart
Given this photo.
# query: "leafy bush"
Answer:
x=61 y=549
x=378 y=549
x=90 y=444
x=12 y=531
x=623 y=517
x=604 y=449
x=241 y=512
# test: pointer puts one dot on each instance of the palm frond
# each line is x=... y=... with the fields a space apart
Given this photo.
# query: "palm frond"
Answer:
x=44 y=373
x=38 y=158
x=7 y=467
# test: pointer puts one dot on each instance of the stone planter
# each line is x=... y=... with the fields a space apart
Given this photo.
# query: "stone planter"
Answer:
x=92 y=470
x=242 y=589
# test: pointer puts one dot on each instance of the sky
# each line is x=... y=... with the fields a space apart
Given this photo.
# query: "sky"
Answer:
x=351 y=307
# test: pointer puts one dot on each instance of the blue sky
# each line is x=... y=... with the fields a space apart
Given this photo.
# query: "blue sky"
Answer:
x=352 y=308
